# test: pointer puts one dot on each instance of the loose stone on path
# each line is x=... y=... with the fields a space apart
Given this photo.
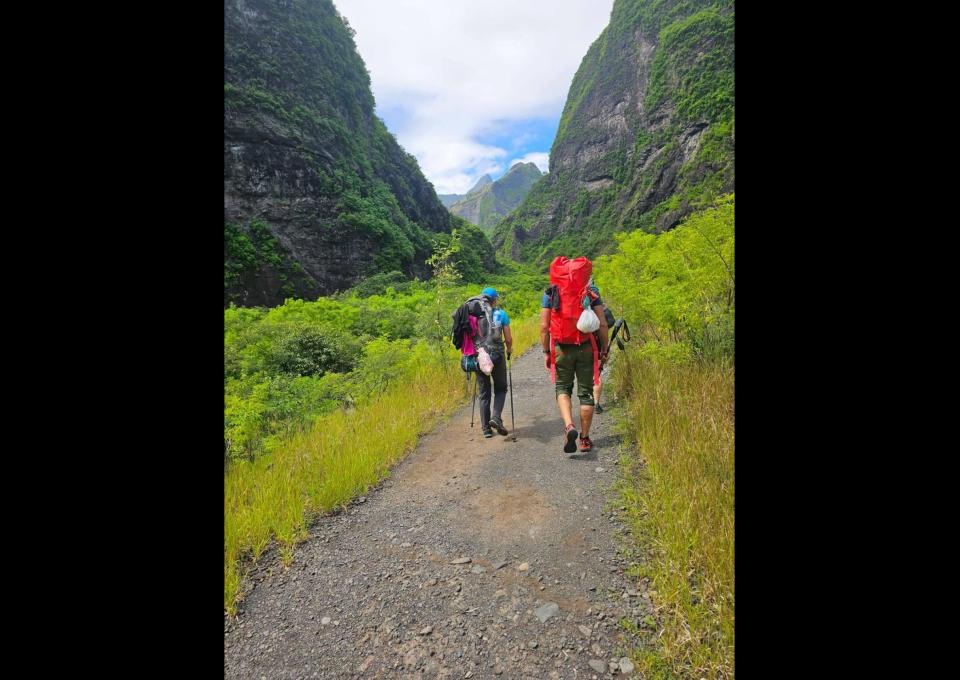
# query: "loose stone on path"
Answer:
x=548 y=610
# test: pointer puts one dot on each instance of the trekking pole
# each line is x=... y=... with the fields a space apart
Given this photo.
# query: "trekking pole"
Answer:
x=513 y=423
x=473 y=402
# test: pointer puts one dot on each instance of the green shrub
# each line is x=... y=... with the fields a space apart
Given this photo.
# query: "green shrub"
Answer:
x=679 y=286
x=311 y=351
x=378 y=283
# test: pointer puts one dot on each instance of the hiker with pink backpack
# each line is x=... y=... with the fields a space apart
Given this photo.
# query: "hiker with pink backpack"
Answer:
x=481 y=330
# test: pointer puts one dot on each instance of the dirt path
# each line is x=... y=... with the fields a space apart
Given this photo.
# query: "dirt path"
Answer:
x=374 y=591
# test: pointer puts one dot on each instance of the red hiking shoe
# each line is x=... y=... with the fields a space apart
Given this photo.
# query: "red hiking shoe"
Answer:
x=585 y=444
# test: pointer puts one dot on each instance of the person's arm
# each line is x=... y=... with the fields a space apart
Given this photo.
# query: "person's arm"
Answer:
x=508 y=340
x=545 y=335
x=603 y=330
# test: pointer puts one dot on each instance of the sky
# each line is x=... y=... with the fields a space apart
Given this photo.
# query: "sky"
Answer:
x=471 y=87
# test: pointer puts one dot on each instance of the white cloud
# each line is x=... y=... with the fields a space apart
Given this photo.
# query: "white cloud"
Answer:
x=459 y=70
x=541 y=160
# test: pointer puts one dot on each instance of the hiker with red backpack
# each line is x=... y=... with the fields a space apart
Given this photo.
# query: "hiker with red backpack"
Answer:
x=570 y=314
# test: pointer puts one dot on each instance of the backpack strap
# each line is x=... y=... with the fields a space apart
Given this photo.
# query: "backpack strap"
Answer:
x=553 y=361
x=596 y=360
x=553 y=297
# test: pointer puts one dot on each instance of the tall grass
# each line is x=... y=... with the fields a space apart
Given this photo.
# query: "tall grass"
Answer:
x=679 y=495
x=678 y=291
x=339 y=456
x=525 y=334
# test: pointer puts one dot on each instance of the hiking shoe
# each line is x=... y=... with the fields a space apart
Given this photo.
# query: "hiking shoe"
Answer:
x=585 y=444
x=488 y=433
x=498 y=426
x=571 y=434
x=598 y=408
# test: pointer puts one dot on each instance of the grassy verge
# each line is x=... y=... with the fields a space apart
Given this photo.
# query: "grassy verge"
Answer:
x=678 y=487
x=338 y=457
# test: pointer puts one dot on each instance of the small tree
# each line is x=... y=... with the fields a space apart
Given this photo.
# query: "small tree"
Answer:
x=445 y=275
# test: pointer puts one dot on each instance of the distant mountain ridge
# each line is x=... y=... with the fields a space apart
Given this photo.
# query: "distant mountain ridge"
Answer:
x=488 y=201
x=481 y=184
x=449 y=199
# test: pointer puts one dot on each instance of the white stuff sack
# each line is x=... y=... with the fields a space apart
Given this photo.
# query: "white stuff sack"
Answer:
x=588 y=322
x=484 y=361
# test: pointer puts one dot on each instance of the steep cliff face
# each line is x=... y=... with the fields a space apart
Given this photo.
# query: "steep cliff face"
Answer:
x=317 y=193
x=646 y=135
x=488 y=202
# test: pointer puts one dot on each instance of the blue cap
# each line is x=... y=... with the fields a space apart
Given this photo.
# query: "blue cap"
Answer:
x=489 y=292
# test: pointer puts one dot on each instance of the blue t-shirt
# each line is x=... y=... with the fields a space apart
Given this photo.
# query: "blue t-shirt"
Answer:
x=545 y=300
x=500 y=320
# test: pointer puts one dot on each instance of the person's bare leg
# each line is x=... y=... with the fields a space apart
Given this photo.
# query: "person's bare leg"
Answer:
x=566 y=408
x=597 y=391
x=586 y=417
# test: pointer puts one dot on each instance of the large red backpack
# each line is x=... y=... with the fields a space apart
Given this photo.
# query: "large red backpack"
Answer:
x=570 y=277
